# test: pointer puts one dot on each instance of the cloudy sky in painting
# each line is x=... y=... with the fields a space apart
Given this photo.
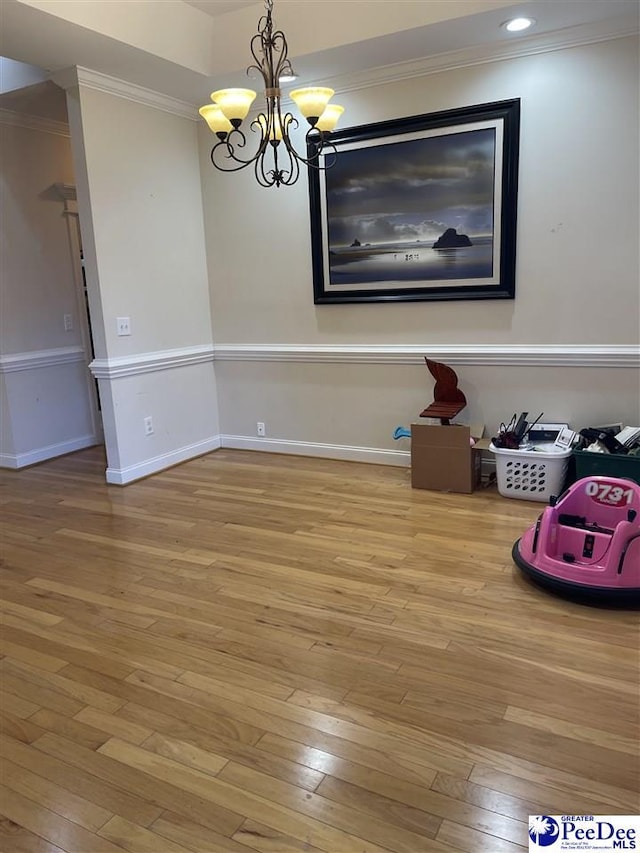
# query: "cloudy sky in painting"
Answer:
x=413 y=190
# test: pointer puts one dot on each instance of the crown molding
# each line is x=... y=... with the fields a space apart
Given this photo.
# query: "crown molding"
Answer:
x=479 y=354
x=14 y=362
x=29 y=122
x=79 y=76
x=526 y=46
x=578 y=36
x=150 y=362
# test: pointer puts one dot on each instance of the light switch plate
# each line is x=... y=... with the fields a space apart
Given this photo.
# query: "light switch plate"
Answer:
x=124 y=325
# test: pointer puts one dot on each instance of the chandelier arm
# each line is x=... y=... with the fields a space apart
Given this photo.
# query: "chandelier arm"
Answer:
x=293 y=170
x=325 y=147
x=320 y=143
x=228 y=149
x=260 y=174
x=223 y=167
x=269 y=175
x=287 y=122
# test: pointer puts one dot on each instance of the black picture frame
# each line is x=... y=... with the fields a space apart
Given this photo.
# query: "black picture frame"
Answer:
x=397 y=188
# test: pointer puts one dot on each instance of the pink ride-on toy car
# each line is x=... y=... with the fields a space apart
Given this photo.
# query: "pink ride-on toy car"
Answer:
x=586 y=543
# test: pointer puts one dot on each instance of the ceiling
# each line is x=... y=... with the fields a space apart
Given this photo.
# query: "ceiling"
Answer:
x=219 y=7
x=213 y=48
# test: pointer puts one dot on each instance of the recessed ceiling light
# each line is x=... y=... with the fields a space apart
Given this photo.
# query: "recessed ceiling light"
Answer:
x=516 y=25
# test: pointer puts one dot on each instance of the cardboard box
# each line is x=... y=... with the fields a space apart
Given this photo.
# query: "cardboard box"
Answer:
x=442 y=458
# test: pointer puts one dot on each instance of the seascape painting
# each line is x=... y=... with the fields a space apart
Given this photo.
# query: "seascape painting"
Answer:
x=420 y=214
x=414 y=210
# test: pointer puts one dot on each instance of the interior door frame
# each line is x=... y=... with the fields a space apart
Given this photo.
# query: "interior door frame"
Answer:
x=67 y=193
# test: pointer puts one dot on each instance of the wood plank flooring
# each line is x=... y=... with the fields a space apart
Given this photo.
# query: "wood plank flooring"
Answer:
x=252 y=652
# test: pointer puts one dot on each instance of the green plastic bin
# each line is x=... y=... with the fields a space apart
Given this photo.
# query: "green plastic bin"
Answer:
x=589 y=464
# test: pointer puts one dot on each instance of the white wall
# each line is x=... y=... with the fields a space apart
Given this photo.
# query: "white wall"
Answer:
x=43 y=369
x=141 y=216
x=577 y=271
x=36 y=262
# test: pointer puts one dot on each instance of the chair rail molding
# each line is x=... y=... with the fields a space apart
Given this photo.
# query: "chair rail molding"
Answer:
x=150 y=362
x=13 y=362
x=517 y=355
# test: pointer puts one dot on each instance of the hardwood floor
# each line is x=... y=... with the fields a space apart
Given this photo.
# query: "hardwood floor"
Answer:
x=252 y=652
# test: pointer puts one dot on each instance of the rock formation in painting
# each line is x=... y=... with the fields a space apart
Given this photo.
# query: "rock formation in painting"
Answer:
x=452 y=240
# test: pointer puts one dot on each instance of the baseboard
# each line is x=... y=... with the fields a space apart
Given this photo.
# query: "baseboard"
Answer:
x=41 y=454
x=347 y=453
x=122 y=476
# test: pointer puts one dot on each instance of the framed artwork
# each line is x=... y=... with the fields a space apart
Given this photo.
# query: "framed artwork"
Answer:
x=421 y=208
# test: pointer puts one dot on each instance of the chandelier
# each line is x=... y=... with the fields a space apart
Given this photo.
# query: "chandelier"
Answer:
x=276 y=161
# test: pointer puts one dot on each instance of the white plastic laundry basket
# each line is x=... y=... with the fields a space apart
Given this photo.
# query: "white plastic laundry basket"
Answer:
x=531 y=475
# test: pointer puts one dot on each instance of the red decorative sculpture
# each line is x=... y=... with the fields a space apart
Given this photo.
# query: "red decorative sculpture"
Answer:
x=448 y=399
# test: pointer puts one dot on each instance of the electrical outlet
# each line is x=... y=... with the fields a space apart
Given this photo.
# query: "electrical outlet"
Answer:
x=123 y=325
x=260 y=427
x=148 y=426
x=68 y=322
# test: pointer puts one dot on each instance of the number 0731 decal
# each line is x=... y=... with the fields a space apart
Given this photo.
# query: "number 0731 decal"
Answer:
x=608 y=495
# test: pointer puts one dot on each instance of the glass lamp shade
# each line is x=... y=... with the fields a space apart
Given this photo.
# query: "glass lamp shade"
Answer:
x=215 y=118
x=234 y=103
x=276 y=130
x=312 y=101
x=329 y=118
